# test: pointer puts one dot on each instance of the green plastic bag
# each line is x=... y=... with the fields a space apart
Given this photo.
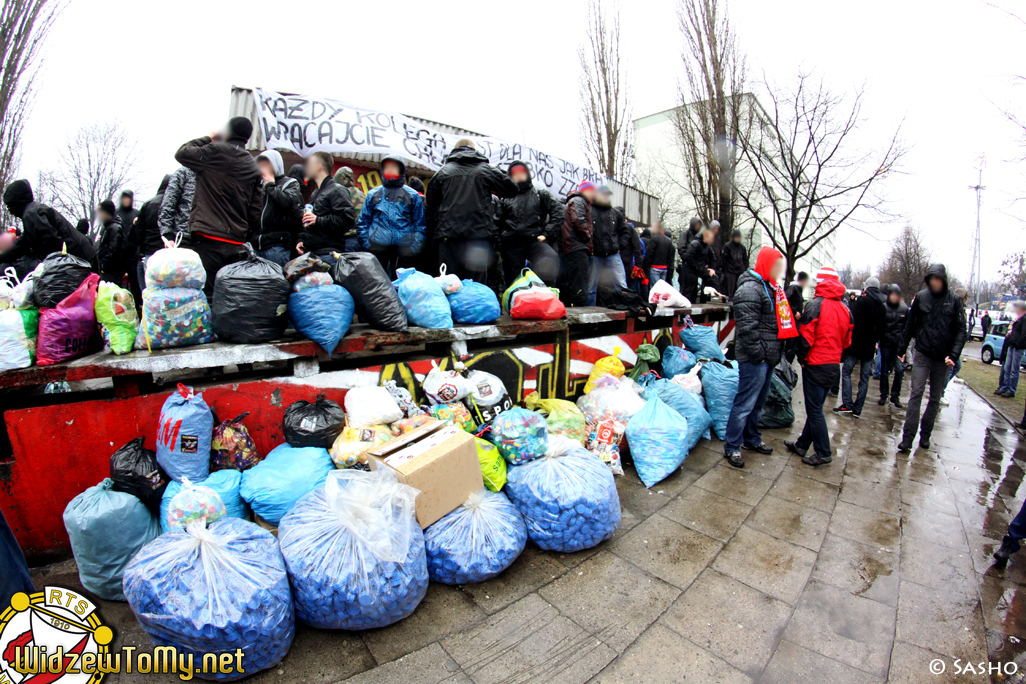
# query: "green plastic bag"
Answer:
x=115 y=311
x=647 y=353
x=493 y=465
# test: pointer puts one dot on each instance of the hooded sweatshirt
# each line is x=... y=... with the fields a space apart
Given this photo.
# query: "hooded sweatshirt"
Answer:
x=935 y=321
x=281 y=217
x=128 y=217
x=825 y=333
x=393 y=215
x=577 y=228
x=531 y=213
x=344 y=177
x=45 y=230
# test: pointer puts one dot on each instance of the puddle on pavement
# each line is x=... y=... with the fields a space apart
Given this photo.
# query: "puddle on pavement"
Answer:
x=869 y=569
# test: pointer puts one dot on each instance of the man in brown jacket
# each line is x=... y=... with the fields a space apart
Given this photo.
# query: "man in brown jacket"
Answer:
x=577 y=244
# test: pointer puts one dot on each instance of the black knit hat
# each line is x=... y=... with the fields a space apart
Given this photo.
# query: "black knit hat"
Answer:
x=240 y=128
x=107 y=207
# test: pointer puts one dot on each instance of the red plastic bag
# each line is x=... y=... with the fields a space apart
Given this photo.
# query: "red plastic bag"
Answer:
x=69 y=330
x=538 y=304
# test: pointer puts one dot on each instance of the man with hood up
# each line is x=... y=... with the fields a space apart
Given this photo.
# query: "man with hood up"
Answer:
x=693 y=233
x=576 y=237
x=110 y=243
x=895 y=313
x=44 y=229
x=127 y=214
x=126 y=209
x=228 y=198
x=609 y=235
x=936 y=321
x=176 y=206
x=392 y=224
x=145 y=233
x=344 y=177
x=460 y=213
x=531 y=224
x=283 y=209
x=733 y=262
x=869 y=313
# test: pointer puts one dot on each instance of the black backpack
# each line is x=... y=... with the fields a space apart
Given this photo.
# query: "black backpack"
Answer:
x=624 y=300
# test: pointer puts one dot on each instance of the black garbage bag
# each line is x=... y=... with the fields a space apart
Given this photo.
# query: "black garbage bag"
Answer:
x=778 y=412
x=302 y=265
x=313 y=425
x=377 y=302
x=251 y=301
x=62 y=274
x=135 y=470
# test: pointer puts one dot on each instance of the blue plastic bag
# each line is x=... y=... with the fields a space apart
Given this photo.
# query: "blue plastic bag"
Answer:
x=677 y=361
x=658 y=438
x=719 y=386
x=568 y=497
x=355 y=552
x=423 y=299
x=323 y=314
x=476 y=541
x=520 y=435
x=107 y=529
x=702 y=340
x=475 y=303
x=688 y=405
x=273 y=486
x=214 y=590
x=226 y=483
x=183 y=435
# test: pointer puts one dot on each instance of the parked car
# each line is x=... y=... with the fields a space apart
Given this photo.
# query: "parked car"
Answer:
x=995 y=342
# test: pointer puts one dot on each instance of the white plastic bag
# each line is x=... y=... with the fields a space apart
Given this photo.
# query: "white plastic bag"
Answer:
x=366 y=406
x=690 y=380
x=665 y=296
x=21 y=296
x=488 y=396
x=451 y=284
x=445 y=387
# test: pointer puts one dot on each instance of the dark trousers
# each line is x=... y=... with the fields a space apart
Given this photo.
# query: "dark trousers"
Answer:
x=15 y=576
x=1016 y=530
x=924 y=370
x=466 y=259
x=815 y=432
x=394 y=257
x=574 y=287
x=888 y=362
x=542 y=259
x=215 y=255
x=865 y=373
x=791 y=350
x=753 y=387
x=730 y=285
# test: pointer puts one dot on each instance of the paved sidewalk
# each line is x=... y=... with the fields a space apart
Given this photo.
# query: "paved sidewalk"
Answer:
x=863 y=571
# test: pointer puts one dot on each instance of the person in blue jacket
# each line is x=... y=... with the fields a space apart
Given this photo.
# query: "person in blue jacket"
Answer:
x=392 y=222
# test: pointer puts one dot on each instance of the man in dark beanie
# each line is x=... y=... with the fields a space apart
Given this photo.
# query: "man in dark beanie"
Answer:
x=110 y=243
x=228 y=197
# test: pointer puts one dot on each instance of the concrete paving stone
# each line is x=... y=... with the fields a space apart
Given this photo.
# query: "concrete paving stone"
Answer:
x=444 y=610
x=706 y=512
x=911 y=665
x=793 y=664
x=865 y=526
x=945 y=530
x=610 y=598
x=925 y=470
x=928 y=497
x=702 y=459
x=863 y=570
x=668 y=550
x=932 y=565
x=642 y=502
x=429 y=665
x=971 y=474
x=528 y=641
x=736 y=484
x=1004 y=616
x=941 y=620
x=829 y=474
x=794 y=486
x=975 y=493
x=990 y=522
x=663 y=656
x=981 y=552
x=320 y=656
x=799 y=525
x=729 y=619
x=772 y=566
x=871 y=471
x=762 y=465
x=873 y=496
x=531 y=570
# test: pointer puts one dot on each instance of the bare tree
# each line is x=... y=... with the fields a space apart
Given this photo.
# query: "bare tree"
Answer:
x=655 y=178
x=97 y=161
x=1013 y=272
x=907 y=261
x=811 y=173
x=605 y=102
x=711 y=108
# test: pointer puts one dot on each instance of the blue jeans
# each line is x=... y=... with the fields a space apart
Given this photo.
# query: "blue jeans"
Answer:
x=752 y=388
x=278 y=254
x=888 y=362
x=1009 y=380
x=815 y=432
x=1016 y=530
x=953 y=371
x=15 y=576
x=865 y=373
x=879 y=364
x=655 y=275
x=607 y=271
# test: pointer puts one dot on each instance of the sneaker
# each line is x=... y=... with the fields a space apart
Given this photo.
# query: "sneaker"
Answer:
x=834 y=393
x=795 y=449
x=856 y=415
x=1008 y=547
x=944 y=402
x=1008 y=395
x=734 y=459
x=761 y=447
x=897 y=403
x=816 y=460
x=842 y=409
x=904 y=448
x=999 y=391
x=882 y=402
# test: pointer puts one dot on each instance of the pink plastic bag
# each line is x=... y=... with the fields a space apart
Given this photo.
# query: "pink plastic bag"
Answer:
x=69 y=330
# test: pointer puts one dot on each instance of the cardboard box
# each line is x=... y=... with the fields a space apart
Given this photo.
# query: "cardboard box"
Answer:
x=440 y=460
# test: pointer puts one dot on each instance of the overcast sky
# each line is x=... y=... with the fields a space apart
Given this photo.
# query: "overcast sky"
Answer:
x=510 y=70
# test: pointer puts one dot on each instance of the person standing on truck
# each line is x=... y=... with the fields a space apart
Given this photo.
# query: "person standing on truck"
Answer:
x=110 y=243
x=609 y=235
x=686 y=238
x=577 y=244
x=146 y=233
x=44 y=229
x=283 y=208
x=734 y=262
x=329 y=216
x=392 y=224
x=176 y=206
x=659 y=256
x=698 y=264
x=530 y=225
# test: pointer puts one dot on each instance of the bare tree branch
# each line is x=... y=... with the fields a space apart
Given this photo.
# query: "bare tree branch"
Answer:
x=907 y=261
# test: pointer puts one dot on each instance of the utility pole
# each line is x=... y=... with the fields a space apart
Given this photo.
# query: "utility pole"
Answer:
x=975 y=270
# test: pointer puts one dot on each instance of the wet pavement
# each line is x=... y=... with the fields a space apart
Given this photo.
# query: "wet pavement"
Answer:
x=875 y=568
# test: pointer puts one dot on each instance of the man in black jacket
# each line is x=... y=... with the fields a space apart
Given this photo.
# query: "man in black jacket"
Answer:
x=936 y=320
x=1015 y=345
x=734 y=262
x=632 y=255
x=531 y=224
x=460 y=213
x=869 y=313
x=283 y=210
x=795 y=294
x=896 y=311
x=985 y=323
x=44 y=229
x=111 y=246
x=659 y=256
x=576 y=241
x=145 y=233
x=686 y=238
x=609 y=236
x=332 y=216
x=228 y=198
x=698 y=265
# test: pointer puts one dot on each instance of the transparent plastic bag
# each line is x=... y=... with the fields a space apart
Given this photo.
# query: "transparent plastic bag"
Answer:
x=604 y=440
x=273 y=486
x=658 y=438
x=493 y=465
x=115 y=311
x=677 y=361
x=194 y=503
x=450 y=284
x=607 y=365
x=367 y=406
x=175 y=267
x=562 y=417
x=184 y=432
x=403 y=399
x=225 y=483
x=665 y=295
x=350 y=446
x=174 y=317
x=314 y=279
x=474 y=303
x=215 y=590
x=355 y=552
x=23 y=294
x=520 y=435
x=475 y=542
x=619 y=403
x=719 y=385
x=690 y=381
x=423 y=299
x=404 y=425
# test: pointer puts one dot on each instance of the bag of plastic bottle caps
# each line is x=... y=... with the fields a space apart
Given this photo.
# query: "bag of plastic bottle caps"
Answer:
x=303 y=265
x=688 y=405
x=520 y=435
x=273 y=486
x=488 y=396
x=568 y=498
x=60 y=275
x=658 y=437
x=225 y=483
x=404 y=425
x=677 y=361
x=175 y=267
x=618 y=403
x=648 y=356
x=474 y=303
x=493 y=465
x=562 y=417
x=69 y=331
x=174 y=317
x=445 y=386
x=192 y=503
x=423 y=298
x=232 y=447
x=19 y=329
x=455 y=413
x=323 y=313
x=449 y=283
x=702 y=340
x=719 y=385
x=313 y=425
x=367 y=406
x=604 y=440
x=607 y=365
x=251 y=298
x=315 y=279
x=355 y=552
x=134 y=470
x=373 y=293
x=403 y=399
x=106 y=529
x=351 y=446
x=690 y=380
x=475 y=542
x=184 y=431
x=115 y=311
x=215 y=590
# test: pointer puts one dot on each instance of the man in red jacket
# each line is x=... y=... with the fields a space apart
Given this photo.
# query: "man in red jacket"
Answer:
x=825 y=334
